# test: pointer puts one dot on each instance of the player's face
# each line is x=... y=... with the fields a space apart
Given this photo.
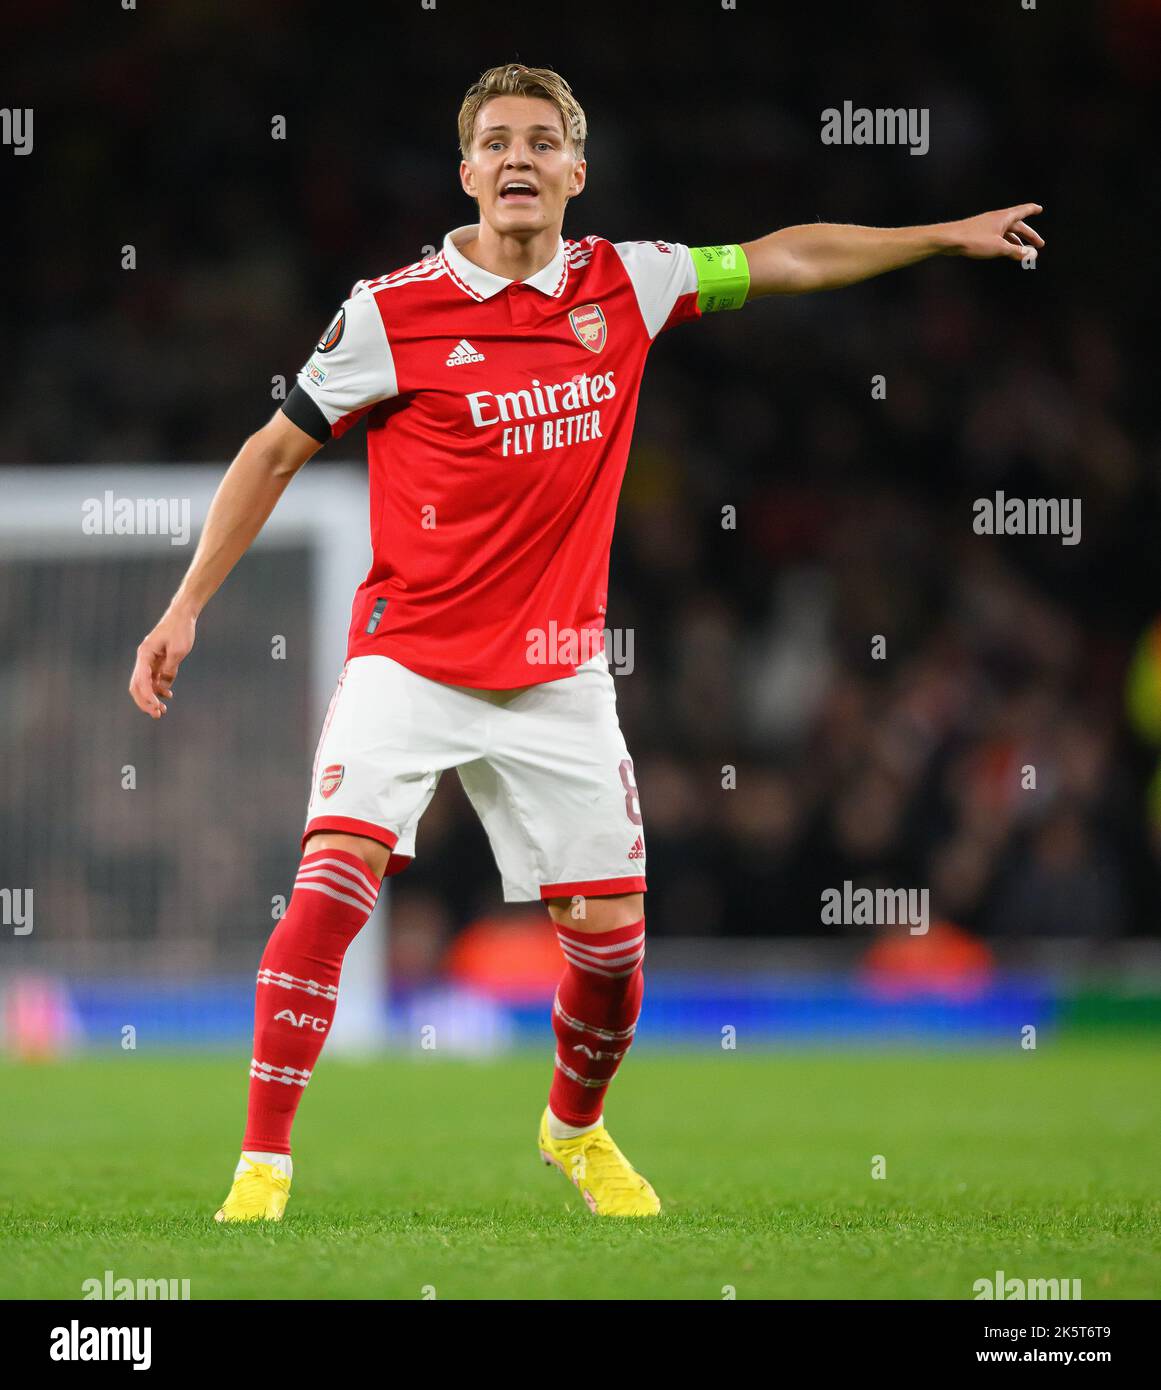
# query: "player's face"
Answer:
x=522 y=170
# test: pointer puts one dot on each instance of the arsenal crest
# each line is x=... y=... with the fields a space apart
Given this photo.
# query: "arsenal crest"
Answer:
x=331 y=780
x=588 y=323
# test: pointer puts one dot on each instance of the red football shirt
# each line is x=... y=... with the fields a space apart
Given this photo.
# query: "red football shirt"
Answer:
x=499 y=419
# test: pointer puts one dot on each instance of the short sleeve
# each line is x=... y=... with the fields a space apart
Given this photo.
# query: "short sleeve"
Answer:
x=674 y=283
x=664 y=281
x=350 y=370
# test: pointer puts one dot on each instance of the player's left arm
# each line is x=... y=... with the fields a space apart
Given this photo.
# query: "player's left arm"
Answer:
x=826 y=256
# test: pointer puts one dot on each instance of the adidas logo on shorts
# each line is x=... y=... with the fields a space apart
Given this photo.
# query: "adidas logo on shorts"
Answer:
x=638 y=850
x=463 y=352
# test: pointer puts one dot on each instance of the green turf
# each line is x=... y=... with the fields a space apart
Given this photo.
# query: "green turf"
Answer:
x=414 y=1175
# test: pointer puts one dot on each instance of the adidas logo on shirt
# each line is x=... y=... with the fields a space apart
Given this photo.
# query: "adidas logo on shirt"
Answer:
x=464 y=352
x=638 y=850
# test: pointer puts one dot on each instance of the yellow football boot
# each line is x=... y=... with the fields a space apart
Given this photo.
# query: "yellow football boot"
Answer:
x=604 y=1176
x=259 y=1193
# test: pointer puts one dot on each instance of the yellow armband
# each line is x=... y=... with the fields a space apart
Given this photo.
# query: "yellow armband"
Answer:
x=723 y=277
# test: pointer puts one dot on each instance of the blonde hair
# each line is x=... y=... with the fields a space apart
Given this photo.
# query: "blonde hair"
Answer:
x=516 y=80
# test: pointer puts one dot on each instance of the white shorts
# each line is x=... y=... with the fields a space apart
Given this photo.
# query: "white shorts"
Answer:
x=546 y=768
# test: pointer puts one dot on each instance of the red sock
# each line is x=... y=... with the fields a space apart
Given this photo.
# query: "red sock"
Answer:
x=594 y=1016
x=298 y=988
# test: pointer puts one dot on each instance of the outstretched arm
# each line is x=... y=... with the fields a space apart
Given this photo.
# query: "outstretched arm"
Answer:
x=826 y=256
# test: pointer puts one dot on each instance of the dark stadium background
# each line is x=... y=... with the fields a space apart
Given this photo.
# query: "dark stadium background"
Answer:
x=752 y=647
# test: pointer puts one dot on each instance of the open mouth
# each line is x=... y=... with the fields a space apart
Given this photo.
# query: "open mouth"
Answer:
x=517 y=191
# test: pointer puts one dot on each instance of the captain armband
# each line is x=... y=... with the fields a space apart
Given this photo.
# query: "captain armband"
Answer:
x=723 y=277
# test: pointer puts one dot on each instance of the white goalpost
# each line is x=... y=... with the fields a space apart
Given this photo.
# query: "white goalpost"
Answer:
x=80 y=547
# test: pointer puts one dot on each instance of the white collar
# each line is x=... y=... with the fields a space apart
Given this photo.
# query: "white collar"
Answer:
x=482 y=284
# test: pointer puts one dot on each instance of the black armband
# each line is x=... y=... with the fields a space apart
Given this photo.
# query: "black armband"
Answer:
x=302 y=411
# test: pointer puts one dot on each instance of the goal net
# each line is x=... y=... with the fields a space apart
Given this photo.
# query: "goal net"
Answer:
x=154 y=856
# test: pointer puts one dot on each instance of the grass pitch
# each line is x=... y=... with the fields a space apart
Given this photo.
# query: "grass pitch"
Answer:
x=422 y=1175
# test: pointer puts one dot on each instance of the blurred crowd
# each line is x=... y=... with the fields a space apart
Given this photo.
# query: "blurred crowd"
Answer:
x=981 y=748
